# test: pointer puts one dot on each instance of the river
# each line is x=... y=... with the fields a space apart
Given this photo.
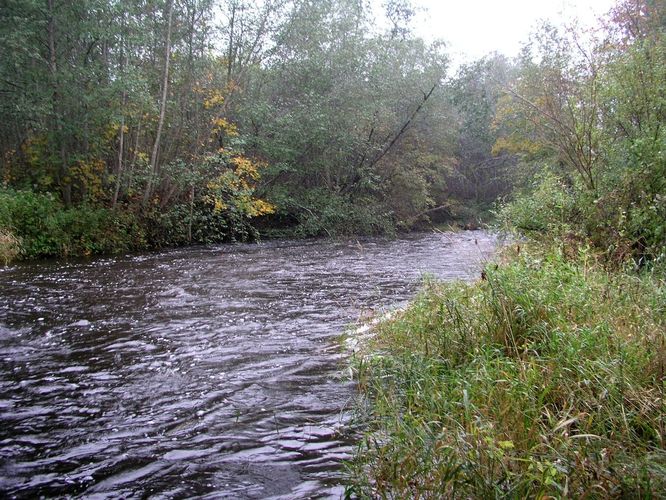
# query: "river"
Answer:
x=210 y=372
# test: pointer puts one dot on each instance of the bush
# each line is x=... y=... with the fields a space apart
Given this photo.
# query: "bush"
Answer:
x=47 y=229
x=322 y=213
x=549 y=208
x=31 y=216
x=84 y=231
x=172 y=227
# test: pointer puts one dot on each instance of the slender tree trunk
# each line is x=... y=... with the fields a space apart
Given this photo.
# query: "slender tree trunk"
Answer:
x=160 y=124
x=65 y=185
x=121 y=149
x=121 y=139
x=231 y=50
x=129 y=180
x=189 y=222
x=404 y=127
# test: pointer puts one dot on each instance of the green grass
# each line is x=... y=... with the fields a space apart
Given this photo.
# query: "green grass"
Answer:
x=544 y=379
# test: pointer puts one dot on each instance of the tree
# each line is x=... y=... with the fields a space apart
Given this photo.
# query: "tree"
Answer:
x=163 y=103
x=556 y=96
x=480 y=174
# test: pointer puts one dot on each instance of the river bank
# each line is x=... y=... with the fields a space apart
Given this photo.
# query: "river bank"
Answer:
x=543 y=379
x=36 y=226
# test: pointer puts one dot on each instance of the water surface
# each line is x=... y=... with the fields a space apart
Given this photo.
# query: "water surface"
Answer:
x=208 y=372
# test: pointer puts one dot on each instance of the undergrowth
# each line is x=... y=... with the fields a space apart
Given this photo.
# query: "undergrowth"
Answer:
x=544 y=379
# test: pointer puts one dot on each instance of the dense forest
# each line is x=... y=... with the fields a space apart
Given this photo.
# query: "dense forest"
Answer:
x=131 y=124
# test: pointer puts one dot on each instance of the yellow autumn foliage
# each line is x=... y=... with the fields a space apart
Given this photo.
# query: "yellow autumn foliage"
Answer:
x=87 y=175
x=261 y=207
x=235 y=188
x=213 y=99
x=246 y=167
x=223 y=125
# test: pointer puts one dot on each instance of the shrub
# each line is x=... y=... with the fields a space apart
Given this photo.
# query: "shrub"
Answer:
x=549 y=208
x=208 y=226
x=322 y=213
x=46 y=229
x=84 y=231
x=31 y=217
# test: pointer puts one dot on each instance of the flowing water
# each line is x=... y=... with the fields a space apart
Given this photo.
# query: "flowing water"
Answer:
x=213 y=372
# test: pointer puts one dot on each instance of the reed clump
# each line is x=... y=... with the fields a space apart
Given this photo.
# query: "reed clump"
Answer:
x=543 y=379
x=10 y=246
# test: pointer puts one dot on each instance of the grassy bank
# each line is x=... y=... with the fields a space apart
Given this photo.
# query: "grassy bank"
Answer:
x=546 y=378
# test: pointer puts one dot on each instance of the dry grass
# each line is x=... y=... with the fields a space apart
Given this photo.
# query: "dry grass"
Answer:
x=10 y=246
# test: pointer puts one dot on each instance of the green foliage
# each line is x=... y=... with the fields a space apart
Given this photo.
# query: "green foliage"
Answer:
x=316 y=94
x=352 y=115
x=31 y=216
x=308 y=116
x=321 y=213
x=38 y=225
x=47 y=229
x=475 y=94
x=543 y=380
x=590 y=124
x=177 y=226
x=547 y=209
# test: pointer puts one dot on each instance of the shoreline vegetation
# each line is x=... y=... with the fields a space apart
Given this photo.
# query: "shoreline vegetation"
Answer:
x=544 y=378
x=37 y=226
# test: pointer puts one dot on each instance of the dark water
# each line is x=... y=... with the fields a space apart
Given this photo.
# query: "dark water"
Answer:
x=204 y=372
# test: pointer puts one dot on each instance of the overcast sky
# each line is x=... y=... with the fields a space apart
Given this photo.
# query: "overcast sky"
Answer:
x=474 y=28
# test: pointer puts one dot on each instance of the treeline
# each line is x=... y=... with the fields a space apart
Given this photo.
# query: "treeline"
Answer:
x=587 y=114
x=157 y=123
x=199 y=120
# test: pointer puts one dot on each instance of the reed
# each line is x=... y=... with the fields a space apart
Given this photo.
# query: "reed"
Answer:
x=10 y=246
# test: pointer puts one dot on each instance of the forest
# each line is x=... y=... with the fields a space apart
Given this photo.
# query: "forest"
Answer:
x=131 y=124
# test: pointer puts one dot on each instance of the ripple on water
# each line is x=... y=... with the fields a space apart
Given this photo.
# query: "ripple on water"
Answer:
x=210 y=371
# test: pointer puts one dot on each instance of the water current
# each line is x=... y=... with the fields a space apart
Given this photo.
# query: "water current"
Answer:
x=207 y=372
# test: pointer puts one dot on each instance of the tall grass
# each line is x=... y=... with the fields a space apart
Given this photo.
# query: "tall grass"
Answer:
x=544 y=379
x=10 y=246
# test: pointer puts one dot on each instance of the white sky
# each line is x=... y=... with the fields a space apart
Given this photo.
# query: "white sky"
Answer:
x=474 y=28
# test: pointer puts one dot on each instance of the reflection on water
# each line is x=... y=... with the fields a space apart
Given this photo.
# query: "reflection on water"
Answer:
x=209 y=371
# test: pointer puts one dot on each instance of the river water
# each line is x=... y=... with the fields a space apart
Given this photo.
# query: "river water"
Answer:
x=214 y=372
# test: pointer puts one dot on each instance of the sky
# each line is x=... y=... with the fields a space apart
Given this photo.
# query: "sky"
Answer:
x=474 y=28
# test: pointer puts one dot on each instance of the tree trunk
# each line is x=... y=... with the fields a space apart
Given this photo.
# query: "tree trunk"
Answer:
x=65 y=185
x=160 y=124
x=121 y=148
x=231 y=49
x=189 y=222
x=121 y=139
